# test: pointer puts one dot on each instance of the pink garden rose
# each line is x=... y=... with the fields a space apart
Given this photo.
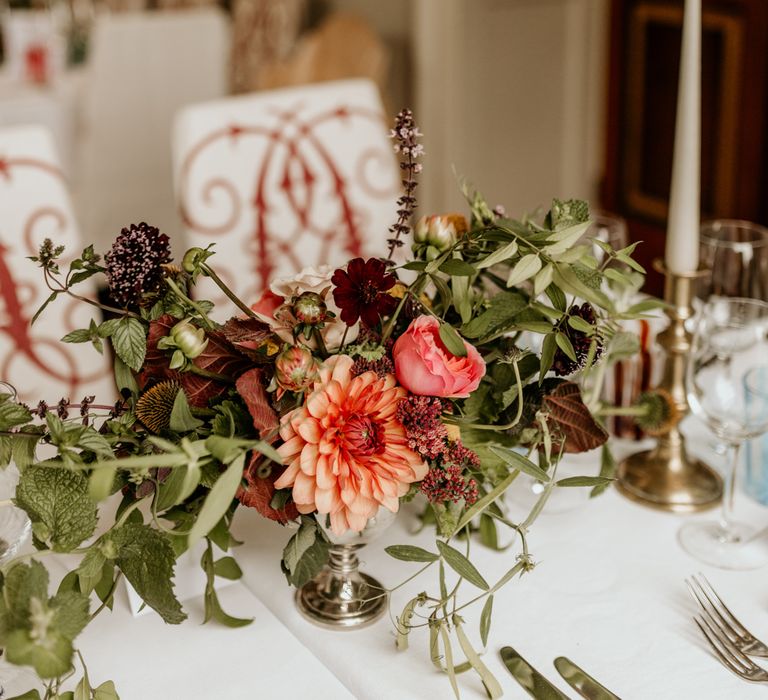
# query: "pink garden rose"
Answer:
x=424 y=366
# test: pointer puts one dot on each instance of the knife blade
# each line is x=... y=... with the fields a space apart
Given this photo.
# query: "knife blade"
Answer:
x=528 y=677
x=581 y=681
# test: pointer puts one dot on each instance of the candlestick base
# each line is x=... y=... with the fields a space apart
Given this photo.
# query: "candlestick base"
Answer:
x=665 y=478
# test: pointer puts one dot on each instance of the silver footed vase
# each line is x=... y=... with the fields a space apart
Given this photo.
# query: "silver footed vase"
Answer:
x=341 y=596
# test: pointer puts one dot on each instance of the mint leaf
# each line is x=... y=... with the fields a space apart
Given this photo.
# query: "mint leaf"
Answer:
x=23 y=446
x=298 y=545
x=90 y=570
x=70 y=610
x=146 y=557
x=34 y=630
x=22 y=583
x=94 y=441
x=58 y=504
x=50 y=657
x=312 y=561
x=12 y=414
x=129 y=339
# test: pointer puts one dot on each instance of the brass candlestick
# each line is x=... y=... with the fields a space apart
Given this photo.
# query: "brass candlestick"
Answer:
x=665 y=477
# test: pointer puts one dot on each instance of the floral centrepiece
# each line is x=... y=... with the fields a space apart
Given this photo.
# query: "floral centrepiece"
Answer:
x=338 y=392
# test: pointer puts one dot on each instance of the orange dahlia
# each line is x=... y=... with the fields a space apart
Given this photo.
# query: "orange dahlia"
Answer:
x=346 y=451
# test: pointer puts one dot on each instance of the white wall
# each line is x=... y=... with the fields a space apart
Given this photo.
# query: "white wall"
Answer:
x=511 y=94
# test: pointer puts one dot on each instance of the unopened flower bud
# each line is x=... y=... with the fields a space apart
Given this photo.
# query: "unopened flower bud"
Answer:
x=189 y=339
x=310 y=309
x=295 y=368
x=193 y=258
x=421 y=230
x=188 y=342
x=437 y=231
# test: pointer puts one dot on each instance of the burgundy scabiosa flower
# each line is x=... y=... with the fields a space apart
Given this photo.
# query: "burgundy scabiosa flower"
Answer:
x=361 y=291
x=134 y=263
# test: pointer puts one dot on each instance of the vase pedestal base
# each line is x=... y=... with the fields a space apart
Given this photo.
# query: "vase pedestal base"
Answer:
x=340 y=596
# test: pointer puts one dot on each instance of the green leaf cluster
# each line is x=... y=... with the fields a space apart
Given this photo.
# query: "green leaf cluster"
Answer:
x=36 y=630
x=306 y=553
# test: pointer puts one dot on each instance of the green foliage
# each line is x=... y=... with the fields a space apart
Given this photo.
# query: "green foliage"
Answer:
x=182 y=420
x=226 y=568
x=57 y=502
x=305 y=554
x=36 y=630
x=146 y=558
x=129 y=339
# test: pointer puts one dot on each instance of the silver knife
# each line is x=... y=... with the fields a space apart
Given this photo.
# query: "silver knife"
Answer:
x=528 y=677
x=581 y=681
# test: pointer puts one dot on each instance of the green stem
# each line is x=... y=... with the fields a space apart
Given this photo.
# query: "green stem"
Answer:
x=127 y=512
x=66 y=290
x=632 y=411
x=206 y=270
x=320 y=342
x=343 y=339
x=410 y=578
x=107 y=600
x=415 y=289
x=203 y=316
x=200 y=372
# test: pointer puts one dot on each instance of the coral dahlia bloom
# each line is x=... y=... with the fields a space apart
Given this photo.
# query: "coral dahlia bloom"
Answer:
x=346 y=451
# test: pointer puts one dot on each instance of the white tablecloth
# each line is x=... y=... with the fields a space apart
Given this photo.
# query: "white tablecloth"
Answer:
x=608 y=593
x=149 y=660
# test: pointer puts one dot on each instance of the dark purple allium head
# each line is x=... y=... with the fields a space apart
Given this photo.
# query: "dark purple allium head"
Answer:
x=134 y=263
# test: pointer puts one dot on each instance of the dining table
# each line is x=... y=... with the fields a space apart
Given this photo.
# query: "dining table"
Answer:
x=607 y=591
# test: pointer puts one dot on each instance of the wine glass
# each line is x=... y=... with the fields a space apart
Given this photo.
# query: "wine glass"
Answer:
x=736 y=252
x=729 y=356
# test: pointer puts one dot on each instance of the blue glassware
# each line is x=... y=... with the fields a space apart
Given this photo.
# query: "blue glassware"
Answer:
x=756 y=483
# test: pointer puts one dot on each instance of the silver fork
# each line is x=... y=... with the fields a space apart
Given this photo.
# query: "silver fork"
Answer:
x=719 y=617
x=733 y=659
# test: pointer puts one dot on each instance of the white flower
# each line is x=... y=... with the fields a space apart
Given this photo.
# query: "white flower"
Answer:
x=317 y=280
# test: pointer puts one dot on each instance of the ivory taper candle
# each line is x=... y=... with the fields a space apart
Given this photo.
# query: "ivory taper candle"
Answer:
x=682 y=249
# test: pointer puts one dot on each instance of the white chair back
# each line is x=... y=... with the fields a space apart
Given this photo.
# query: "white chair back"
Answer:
x=286 y=179
x=144 y=67
x=35 y=205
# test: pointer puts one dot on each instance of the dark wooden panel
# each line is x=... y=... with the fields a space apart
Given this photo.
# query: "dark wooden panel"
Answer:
x=642 y=96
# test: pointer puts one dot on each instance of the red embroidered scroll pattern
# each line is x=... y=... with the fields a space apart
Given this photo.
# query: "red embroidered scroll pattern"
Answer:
x=295 y=162
x=51 y=360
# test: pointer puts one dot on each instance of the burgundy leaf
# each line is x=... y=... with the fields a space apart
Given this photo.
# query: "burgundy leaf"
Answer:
x=570 y=420
x=259 y=491
x=248 y=335
x=251 y=389
x=218 y=357
x=156 y=360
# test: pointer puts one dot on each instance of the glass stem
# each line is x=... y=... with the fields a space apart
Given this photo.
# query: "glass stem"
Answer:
x=729 y=492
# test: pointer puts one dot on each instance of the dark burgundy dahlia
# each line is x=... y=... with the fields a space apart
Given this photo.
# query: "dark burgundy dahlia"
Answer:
x=361 y=291
x=134 y=263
